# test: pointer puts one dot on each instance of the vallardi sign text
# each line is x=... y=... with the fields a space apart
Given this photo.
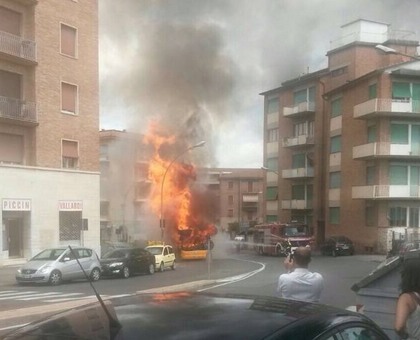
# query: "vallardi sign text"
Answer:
x=70 y=205
x=9 y=204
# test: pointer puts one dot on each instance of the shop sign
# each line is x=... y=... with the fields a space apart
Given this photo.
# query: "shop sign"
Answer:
x=9 y=204
x=70 y=205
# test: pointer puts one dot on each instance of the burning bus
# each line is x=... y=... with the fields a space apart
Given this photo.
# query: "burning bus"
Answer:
x=279 y=238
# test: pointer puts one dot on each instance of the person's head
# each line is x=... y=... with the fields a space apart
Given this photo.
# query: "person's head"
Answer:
x=302 y=257
x=410 y=276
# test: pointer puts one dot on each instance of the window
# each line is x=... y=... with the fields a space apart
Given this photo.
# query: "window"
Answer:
x=335 y=144
x=83 y=253
x=298 y=192
x=360 y=333
x=398 y=175
x=250 y=186
x=11 y=148
x=300 y=96
x=230 y=185
x=399 y=133
x=398 y=217
x=272 y=193
x=370 y=175
x=170 y=250
x=335 y=215
x=414 y=218
x=401 y=91
x=372 y=91
x=69 y=98
x=166 y=252
x=370 y=216
x=371 y=135
x=339 y=71
x=273 y=105
x=70 y=154
x=70 y=225
x=103 y=151
x=68 y=45
x=335 y=180
x=311 y=128
x=336 y=109
x=10 y=86
x=298 y=161
x=271 y=218
x=10 y=21
x=104 y=208
x=273 y=135
x=230 y=199
x=230 y=213
x=273 y=163
x=299 y=129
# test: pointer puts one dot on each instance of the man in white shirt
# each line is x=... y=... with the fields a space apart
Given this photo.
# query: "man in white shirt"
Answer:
x=299 y=283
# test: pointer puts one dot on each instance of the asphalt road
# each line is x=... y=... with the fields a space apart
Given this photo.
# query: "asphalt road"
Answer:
x=243 y=272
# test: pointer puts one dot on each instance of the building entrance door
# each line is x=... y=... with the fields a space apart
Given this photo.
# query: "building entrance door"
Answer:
x=15 y=227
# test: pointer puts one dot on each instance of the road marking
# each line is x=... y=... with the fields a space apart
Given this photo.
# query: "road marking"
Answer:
x=15 y=326
x=38 y=296
x=237 y=278
x=8 y=291
x=15 y=295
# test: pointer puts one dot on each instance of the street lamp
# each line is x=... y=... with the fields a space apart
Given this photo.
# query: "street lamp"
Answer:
x=162 y=222
x=389 y=50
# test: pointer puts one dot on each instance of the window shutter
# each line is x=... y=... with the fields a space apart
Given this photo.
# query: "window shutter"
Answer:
x=273 y=105
x=298 y=192
x=401 y=90
x=298 y=161
x=272 y=193
x=398 y=175
x=335 y=144
x=372 y=91
x=70 y=149
x=11 y=148
x=336 y=109
x=399 y=133
x=68 y=40
x=68 y=97
x=301 y=96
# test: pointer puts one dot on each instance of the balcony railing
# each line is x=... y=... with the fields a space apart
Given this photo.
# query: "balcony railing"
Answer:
x=385 y=150
x=297 y=110
x=386 y=192
x=296 y=204
x=17 y=47
x=19 y=110
x=289 y=142
x=298 y=173
x=388 y=107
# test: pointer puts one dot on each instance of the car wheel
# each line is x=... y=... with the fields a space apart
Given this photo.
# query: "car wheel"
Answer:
x=151 y=269
x=55 y=278
x=126 y=272
x=173 y=265
x=162 y=267
x=95 y=275
x=334 y=253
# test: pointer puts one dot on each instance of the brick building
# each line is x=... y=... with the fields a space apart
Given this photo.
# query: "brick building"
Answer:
x=240 y=194
x=49 y=122
x=125 y=187
x=342 y=145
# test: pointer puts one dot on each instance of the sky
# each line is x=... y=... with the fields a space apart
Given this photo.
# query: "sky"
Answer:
x=197 y=66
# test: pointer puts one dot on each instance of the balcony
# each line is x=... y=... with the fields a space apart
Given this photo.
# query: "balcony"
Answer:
x=298 y=173
x=17 y=49
x=299 y=110
x=386 y=192
x=302 y=140
x=296 y=204
x=385 y=150
x=18 y=111
x=387 y=107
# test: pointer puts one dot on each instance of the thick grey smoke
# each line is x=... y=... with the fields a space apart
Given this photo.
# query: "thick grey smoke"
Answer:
x=207 y=60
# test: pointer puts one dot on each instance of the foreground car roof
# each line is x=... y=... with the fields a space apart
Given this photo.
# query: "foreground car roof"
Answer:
x=192 y=316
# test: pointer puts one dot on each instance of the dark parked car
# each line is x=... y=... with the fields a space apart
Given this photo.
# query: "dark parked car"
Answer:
x=339 y=245
x=201 y=316
x=127 y=261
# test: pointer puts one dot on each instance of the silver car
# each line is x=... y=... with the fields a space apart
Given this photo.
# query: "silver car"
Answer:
x=58 y=264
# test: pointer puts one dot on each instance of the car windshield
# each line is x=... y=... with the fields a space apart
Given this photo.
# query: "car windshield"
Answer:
x=48 y=255
x=117 y=254
x=296 y=231
x=155 y=250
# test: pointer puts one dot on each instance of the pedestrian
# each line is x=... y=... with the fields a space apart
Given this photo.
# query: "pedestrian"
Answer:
x=299 y=283
x=407 y=318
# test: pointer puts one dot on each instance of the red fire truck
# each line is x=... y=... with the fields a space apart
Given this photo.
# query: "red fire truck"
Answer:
x=278 y=238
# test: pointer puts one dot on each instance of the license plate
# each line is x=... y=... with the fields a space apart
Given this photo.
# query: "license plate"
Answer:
x=345 y=247
x=26 y=276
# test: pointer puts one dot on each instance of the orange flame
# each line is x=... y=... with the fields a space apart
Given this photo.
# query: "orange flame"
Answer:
x=187 y=229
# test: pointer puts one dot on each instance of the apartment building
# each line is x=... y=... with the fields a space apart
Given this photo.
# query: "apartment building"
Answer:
x=341 y=144
x=125 y=188
x=49 y=123
x=239 y=192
